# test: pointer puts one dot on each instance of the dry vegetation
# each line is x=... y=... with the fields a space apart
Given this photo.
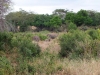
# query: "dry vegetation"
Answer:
x=50 y=63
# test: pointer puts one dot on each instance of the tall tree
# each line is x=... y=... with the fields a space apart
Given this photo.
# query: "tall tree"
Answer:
x=60 y=12
x=4 y=6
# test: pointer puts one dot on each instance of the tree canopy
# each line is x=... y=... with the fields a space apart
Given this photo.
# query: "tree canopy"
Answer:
x=58 y=18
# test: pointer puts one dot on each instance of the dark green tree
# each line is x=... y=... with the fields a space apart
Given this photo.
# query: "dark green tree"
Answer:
x=70 y=16
x=82 y=18
x=42 y=21
x=95 y=16
x=55 y=22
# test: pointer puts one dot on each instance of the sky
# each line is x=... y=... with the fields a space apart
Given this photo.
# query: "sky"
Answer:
x=48 y=6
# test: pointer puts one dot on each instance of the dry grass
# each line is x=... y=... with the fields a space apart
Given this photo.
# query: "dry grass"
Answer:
x=50 y=64
x=52 y=46
x=67 y=67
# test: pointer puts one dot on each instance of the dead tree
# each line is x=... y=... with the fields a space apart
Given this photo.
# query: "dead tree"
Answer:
x=4 y=6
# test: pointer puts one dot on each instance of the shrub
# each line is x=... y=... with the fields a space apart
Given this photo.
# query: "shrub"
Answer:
x=31 y=69
x=5 y=40
x=72 y=26
x=5 y=67
x=95 y=48
x=25 y=46
x=95 y=34
x=28 y=49
x=42 y=37
x=74 y=43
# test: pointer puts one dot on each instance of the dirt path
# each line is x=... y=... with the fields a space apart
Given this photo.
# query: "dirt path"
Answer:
x=52 y=45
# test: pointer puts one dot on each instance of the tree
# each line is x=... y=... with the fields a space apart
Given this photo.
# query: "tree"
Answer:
x=72 y=26
x=95 y=16
x=70 y=16
x=60 y=12
x=55 y=22
x=82 y=17
x=4 y=6
x=42 y=21
x=21 y=18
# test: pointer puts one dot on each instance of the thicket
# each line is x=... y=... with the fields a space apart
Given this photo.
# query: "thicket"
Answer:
x=72 y=26
x=24 y=50
x=55 y=21
x=80 y=44
x=5 y=41
x=25 y=46
x=5 y=66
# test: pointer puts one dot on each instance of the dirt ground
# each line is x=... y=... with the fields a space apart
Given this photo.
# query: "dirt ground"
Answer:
x=52 y=45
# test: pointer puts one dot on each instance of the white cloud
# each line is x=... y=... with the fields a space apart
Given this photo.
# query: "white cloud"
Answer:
x=47 y=6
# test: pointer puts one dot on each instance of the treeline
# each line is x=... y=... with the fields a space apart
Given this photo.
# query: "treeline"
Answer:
x=57 y=21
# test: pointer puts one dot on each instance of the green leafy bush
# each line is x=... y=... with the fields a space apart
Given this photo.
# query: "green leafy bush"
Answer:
x=28 y=49
x=72 y=26
x=74 y=44
x=95 y=34
x=5 y=40
x=95 y=48
x=31 y=69
x=25 y=46
x=42 y=37
x=5 y=67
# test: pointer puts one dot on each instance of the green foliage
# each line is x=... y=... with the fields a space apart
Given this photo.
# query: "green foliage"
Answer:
x=79 y=18
x=28 y=49
x=95 y=17
x=42 y=37
x=80 y=44
x=47 y=21
x=25 y=68
x=95 y=48
x=5 y=67
x=48 y=63
x=42 y=21
x=31 y=69
x=5 y=40
x=25 y=45
x=70 y=16
x=74 y=43
x=82 y=17
x=72 y=26
x=21 y=18
x=95 y=34
x=60 y=16
x=55 y=22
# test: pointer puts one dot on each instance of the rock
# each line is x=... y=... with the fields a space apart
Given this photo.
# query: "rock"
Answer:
x=36 y=38
x=52 y=35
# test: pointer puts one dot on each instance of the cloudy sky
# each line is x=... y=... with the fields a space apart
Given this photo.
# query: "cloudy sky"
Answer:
x=48 y=6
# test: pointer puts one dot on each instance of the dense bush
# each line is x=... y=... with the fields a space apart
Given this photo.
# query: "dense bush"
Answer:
x=72 y=26
x=95 y=34
x=42 y=37
x=74 y=43
x=25 y=45
x=5 y=67
x=5 y=40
